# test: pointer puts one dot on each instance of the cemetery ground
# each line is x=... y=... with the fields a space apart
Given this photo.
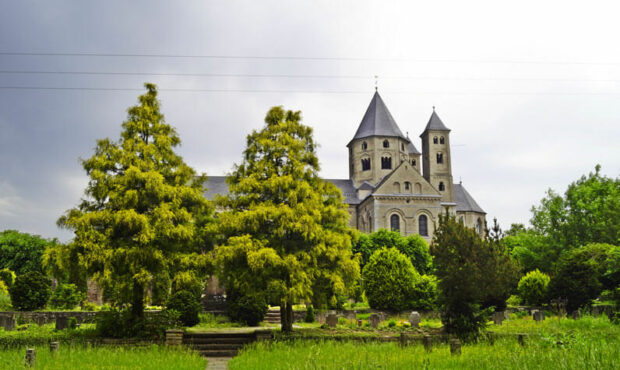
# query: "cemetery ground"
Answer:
x=558 y=343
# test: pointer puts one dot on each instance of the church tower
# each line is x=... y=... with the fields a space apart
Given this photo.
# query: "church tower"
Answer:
x=378 y=146
x=437 y=162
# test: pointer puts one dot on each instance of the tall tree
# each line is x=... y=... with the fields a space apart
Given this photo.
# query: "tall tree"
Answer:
x=144 y=212
x=286 y=227
x=22 y=252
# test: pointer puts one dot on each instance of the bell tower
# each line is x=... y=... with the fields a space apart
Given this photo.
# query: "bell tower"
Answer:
x=437 y=160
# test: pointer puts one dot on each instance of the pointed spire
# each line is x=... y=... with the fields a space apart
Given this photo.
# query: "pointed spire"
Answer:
x=377 y=121
x=435 y=123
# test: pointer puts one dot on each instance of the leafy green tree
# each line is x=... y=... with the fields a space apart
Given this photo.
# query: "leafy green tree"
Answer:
x=285 y=226
x=66 y=296
x=187 y=305
x=533 y=287
x=532 y=250
x=63 y=262
x=144 y=213
x=31 y=291
x=470 y=271
x=413 y=246
x=22 y=252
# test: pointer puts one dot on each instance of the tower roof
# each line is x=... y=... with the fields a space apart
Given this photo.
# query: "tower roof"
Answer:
x=435 y=123
x=377 y=121
x=411 y=149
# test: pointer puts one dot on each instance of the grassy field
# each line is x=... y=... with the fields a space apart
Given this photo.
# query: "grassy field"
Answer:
x=33 y=334
x=588 y=343
x=85 y=357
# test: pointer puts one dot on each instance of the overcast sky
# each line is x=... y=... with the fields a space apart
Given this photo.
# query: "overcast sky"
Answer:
x=529 y=88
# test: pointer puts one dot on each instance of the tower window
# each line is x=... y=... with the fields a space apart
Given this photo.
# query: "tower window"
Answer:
x=402 y=147
x=365 y=164
x=386 y=163
x=435 y=140
x=479 y=226
x=386 y=144
x=364 y=146
x=439 y=157
x=423 y=225
x=441 y=140
x=413 y=162
x=395 y=223
x=442 y=187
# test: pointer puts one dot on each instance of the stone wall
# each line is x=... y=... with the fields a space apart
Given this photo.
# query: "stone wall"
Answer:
x=46 y=317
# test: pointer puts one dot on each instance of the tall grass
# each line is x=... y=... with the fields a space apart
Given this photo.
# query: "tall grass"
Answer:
x=86 y=357
x=33 y=334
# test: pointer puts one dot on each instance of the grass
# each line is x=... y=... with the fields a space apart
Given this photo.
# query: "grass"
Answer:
x=558 y=343
x=33 y=334
x=87 y=357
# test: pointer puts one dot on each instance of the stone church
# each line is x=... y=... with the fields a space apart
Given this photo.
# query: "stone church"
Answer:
x=391 y=184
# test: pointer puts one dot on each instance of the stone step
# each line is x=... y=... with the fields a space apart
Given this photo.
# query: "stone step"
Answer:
x=219 y=335
x=217 y=346
x=191 y=341
x=218 y=353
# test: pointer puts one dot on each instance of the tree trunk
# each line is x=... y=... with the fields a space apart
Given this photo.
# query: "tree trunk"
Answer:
x=137 y=301
x=286 y=316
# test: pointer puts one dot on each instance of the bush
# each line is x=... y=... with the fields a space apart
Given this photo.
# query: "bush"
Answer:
x=424 y=293
x=513 y=301
x=187 y=281
x=7 y=276
x=5 y=302
x=89 y=306
x=3 y=289
x=414 y=247
x=31 y=291
x=249 y=309
x=121 y=324
x=72 y=324
x=66 y=296
x=309 y=314
x=389 y=280
x=533 y=287
x=187 y=305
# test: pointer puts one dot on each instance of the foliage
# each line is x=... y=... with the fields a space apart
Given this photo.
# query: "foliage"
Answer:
x=532 y=250
x=285 y=227
x=72 y=323
x=466 y=267
x=66 y=296
x=389 y=280
x=115 y=323
x=21 y=252
x=248 y=308
x=187 y=305
x=513 y=300
x=64 y=263
x=424 y=293
x=187 y=281
x=533 y=287
x=152 y=357
x=7 y=276
x=5 y=302
x=413 y=246
x=31 y=291
x=583 y=273
x=144 y=213
x=3 y=288
x=309 y=314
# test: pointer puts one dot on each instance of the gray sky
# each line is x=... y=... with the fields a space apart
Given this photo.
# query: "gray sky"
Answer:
x=529 y=88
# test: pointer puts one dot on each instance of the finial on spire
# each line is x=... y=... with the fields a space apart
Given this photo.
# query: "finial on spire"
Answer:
x=407 y=133
x=376 y=83
x=433 y=108
x=460 y=180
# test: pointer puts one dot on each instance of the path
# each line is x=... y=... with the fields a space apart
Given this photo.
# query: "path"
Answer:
x=218 y=363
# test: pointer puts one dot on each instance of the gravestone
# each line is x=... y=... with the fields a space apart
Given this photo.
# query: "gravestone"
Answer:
x=539 y=316
x=359 y=322
x=521 y=339
x=7 y=322
x=575 y=314
x=506 y=315
x=374 y=320
x=62 y=322
x=414 y=319
x=332 y=320
x=498 y=318
x=455 y=346
x=54 y=347
x=428 y=342
x=31 y=357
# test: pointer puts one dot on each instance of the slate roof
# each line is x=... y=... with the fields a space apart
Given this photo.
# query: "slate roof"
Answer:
x=464 y=201
x=217 y=185
x=435 y=123
x=412 y=149
x=377 y=121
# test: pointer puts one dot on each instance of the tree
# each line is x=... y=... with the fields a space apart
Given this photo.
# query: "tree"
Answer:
x=144 y=213
x=285 y=227
x=21 y=252
x=470 y=271
x=533 y=287
x=31 y=291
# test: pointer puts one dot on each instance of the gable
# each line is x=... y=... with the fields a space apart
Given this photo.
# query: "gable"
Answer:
x=395 y=182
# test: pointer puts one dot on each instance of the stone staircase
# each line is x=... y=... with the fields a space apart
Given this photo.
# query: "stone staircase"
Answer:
x=272 y=317
x=218 y=344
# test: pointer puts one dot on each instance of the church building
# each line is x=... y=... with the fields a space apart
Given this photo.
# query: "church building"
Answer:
x=391 y=184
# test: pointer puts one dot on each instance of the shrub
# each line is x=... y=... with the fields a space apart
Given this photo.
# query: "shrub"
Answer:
x=5 y=302
x=309 y=314
x=424 y=293
x=120 y=324
x=391 y=323
x=89 y=306
x=389 y=280
x=7 y=276
x=249 y=309
x=414 y=247
x=66 y=296
x=513 y=300
x=533 y=287
x=187 y=305
x=187 y=281
x=3 y=289
x=72 y=324
x=31 y=291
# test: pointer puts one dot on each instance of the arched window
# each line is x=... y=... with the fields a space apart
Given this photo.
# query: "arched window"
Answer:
x=365 y=164
x=402 y=147
x=442 y=187
x=441 y=140
x=395 y=223
x=439 y=157
x=479 y=226
x=386 y=144
x=413 y=162
x=386 y=163
x=418 y=188
x=396 y=187
x=370 y=224
x=423 y=225
x=407 y=185
x=435 y=140
x=364 y=145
